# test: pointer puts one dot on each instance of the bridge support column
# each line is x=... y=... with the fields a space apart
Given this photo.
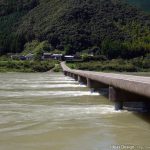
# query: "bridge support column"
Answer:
x=113 y=96
x=68 y=74
x=127 y=100
x=79 y=79
x=95 y=85
x=75 y=77
x=65 y=73
x=71 y=75
x=82 y=80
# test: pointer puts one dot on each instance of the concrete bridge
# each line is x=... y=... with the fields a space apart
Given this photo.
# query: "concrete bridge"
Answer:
x=127 y=91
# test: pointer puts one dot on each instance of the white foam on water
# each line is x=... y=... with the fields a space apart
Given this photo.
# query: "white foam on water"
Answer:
x=53 y=118
x=52 y=94
x=39 y=86
x=56 y=85
x=66 y=81
x=54 y=114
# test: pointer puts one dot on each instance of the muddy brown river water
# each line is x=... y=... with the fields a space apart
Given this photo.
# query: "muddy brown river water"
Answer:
x=48 y=111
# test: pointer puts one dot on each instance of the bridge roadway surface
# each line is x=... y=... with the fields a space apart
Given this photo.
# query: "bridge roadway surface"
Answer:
x=134 y=84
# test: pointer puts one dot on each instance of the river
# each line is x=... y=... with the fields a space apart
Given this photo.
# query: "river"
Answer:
x=48 y=111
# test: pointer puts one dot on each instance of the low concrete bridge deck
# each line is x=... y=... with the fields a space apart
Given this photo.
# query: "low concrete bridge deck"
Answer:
x=122 y=88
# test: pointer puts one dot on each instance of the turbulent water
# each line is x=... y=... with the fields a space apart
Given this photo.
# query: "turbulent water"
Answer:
x=49 y=111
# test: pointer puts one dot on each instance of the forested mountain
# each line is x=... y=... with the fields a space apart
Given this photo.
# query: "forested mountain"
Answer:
x=142 y=4
x=108 y=27
x=11 y=14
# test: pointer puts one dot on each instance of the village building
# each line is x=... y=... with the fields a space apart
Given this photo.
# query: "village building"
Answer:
x=30 y=56
x=57 y=56
x=22 y=57
x=46 y=56
x=68 y=57
x=16 y=56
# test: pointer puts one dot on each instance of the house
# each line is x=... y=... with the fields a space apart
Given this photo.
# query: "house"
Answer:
x=29 y=56
x=22 y=57
x=57 y=56
x=14 y=56
x=68 y=57
x=46 y=56
x=17 y=57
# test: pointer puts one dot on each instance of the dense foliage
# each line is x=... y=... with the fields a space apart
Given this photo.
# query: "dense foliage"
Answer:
x=26 y=66
x=134 y=65
x=11 y=13
x=143 y=4
x=104 y=27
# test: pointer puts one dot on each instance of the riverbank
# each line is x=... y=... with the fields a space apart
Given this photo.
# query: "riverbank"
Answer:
x=115 y=65
x=134 y=66
x=27 y=66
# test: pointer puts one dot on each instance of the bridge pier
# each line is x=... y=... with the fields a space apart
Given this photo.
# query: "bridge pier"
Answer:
x=82 y=80
x=65 y=73
x=68 y=74
x=129 y=101
x=75 y=77
x=72 y=75
x=96 y=86
x=113 y=96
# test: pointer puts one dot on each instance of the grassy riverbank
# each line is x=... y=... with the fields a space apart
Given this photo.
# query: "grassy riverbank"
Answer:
x=115 y=65
x=26 y=66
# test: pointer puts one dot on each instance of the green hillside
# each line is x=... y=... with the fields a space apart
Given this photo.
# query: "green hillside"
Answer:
x=142 y=4
x=11 y=12
x=110 y=28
